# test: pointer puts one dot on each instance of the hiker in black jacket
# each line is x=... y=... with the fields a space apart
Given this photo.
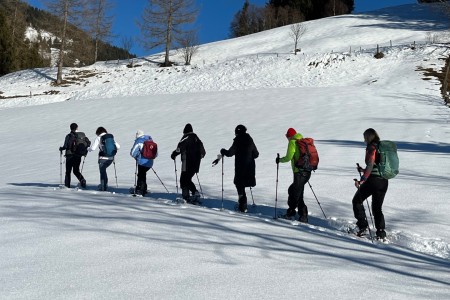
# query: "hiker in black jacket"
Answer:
x=192 y=151
x=75 y=145
x=245 y=153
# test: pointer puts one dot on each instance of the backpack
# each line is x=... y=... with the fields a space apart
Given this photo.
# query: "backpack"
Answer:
x=149 y=149
x=109 y=146
x=388 y=162
x=78 y=143
x=309 y=157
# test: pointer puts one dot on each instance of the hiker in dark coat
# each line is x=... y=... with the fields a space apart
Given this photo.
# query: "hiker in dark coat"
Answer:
x=245 y=152
x=192 y=151
x=74 y=151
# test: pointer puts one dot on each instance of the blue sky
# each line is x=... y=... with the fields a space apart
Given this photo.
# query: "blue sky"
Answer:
x=213 y=21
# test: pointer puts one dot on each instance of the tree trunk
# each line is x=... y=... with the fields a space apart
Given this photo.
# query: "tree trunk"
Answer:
x=63 y=42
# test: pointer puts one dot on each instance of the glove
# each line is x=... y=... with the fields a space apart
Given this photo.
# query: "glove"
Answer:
x=216 y=161
x=360 y=170
x=277 y=160
x=61 y=149
x=173 y=155
x=222 y=151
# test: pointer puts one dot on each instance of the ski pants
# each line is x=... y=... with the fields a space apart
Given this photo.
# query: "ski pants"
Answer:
x=295 y=192
x=187 y=184
x=72 y=163
x=102 y=165
x=142 y=178
x=376 y=187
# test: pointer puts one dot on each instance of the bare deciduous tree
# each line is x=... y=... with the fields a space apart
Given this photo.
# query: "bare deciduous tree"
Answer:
x=162 y=21
x=189 y=46
x=67 y=11
x=99 y=23
x=127 y=44
x=296 y=32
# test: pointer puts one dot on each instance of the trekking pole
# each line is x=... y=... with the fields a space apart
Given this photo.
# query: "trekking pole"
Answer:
x=115 y=173
x=253 y=200
x=368 y=206
x=60 y=168
x=82 y=165
x=276 y=187
x=201 y=190
x=222 y=182
x=176 y=176
x=365 y=215
x=317 y=199
x=160 y=180
x=135 y=178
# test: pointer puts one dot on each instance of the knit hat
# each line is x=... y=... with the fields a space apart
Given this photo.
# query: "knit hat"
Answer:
x=139 y=133
x=73 y=126
x=240 y=129
x=290 y=133
x=187 y=128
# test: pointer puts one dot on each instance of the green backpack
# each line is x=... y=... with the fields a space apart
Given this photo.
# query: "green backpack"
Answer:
x=388 y=160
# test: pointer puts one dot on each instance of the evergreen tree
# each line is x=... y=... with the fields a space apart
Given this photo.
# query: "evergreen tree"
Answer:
x=6 y=56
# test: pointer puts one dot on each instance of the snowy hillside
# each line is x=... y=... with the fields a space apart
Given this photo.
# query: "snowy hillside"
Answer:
x=57 y=243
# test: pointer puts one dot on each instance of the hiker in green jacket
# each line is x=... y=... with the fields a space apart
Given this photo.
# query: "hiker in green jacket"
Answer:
x=301 y=177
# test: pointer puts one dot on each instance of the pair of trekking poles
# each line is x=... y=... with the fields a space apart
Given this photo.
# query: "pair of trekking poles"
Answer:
x=276 y=192
x=362 y=202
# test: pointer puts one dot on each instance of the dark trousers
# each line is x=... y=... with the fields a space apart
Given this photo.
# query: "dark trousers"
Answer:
x=295 y=191
x=376 y=187
x=141 y=184
x=72 y=163
x=242 y=200
x=187 y=184
x=102 y=165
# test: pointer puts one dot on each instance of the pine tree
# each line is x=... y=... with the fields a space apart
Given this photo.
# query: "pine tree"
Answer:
x=6 y=55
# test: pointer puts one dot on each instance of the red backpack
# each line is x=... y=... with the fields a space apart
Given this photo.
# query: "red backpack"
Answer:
x=149 y=150
x=309 y=157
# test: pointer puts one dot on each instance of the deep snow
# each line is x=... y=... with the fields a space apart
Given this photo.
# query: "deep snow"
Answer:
x=86 y=244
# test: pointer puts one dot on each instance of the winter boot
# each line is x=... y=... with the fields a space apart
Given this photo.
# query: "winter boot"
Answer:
x=242 y=203
x=381 y=234
x=185 y=195
x=304 y=214
x=83 y=183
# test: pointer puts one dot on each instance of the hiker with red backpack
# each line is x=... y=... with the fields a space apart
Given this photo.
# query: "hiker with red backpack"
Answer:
x=303 y=156
x=75 y=144
x=107 y=151
x=144 y=151
x=192 y=151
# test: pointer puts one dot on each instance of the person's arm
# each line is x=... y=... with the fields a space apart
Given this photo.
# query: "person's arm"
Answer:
x=371 y=153
x=135 y=150
x=230 y=152
x=289 y=152
x=95 y=145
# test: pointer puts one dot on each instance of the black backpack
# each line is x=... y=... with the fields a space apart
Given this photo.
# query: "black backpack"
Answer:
x=78 y=143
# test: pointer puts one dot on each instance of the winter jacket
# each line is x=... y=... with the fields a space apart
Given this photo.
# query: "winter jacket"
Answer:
x=136 y=151
x=371 y=162
x=97 y=144
x=292 y=153
x=192 y=151
x=246 y=152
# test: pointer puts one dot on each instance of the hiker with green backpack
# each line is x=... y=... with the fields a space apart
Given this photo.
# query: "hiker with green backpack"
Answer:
x=381 y=165
x=108 y=148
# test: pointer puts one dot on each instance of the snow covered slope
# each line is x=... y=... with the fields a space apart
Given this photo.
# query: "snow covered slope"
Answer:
x=85 y=244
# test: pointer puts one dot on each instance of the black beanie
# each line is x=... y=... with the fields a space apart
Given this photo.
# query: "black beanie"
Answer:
x=240 y=129
x=187 y=128
x=73 y=126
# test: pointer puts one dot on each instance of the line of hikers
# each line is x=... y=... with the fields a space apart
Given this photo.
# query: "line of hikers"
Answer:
x=301 y=152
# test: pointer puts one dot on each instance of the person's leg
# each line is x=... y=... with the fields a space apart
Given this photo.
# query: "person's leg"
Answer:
x=103 y=165
x=142 y=180
x=302 y=208
x=380 y=189
x=242 y=198
x=293 y=195
x=364 y=191
x=76 y=168
x=184 y=179
x=69 y=166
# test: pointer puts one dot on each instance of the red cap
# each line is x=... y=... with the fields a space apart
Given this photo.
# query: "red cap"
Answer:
x=290 y=133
